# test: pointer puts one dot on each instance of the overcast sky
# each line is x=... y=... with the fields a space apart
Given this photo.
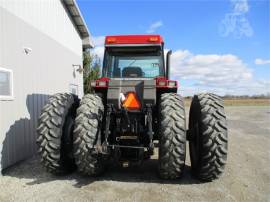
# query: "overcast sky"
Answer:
x=221 y=46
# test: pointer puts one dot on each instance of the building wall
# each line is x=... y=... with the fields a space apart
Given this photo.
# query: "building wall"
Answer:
x=47 y=16
x=44 y=28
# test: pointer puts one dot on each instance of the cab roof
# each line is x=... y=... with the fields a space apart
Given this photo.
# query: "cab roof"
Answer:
x=133 y=40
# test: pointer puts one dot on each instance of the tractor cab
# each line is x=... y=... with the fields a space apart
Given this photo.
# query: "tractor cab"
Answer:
x=134 y=57
x=134 y=64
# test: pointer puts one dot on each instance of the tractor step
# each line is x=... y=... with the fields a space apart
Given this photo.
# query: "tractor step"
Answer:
x=127 y=137
x=126 y=146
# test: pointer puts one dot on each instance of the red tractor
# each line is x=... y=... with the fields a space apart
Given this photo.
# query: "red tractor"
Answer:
x=134 y=108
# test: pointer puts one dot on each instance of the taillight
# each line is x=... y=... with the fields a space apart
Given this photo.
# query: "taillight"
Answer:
x=101 y=83
x=172 y=83
x=162 y=82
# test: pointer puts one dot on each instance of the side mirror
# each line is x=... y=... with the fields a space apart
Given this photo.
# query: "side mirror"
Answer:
x=168 y=63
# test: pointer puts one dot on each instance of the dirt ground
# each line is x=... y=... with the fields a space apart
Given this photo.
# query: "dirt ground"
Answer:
x=246 y=178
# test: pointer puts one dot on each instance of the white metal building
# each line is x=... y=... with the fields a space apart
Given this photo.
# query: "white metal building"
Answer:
x=41 y=43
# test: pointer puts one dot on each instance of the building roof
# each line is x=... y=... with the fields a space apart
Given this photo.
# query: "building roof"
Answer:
x=79 y=23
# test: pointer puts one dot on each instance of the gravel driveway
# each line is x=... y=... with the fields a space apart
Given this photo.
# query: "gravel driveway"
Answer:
x=246 y=177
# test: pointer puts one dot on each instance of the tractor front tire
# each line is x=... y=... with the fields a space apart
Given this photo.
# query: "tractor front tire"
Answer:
x=172 y=136
x=55 y=133
x=208 y=136
x=88 y=125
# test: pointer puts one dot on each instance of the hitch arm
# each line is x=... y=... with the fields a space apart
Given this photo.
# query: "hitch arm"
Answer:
x=149 y=123
x=107 y=128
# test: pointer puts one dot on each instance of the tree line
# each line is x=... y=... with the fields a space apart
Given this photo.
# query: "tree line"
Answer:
x=91 y=70
x=260 y=96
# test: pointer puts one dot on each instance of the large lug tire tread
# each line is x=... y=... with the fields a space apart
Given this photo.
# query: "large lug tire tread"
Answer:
x=88 y=125
x=172 y=134
x=213 y=145
x=50 y=133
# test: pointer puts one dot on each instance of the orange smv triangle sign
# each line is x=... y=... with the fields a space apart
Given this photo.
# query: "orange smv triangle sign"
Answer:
x=132 y=102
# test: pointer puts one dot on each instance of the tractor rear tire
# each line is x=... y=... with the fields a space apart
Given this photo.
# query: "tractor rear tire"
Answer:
x=172 y=136
x=55 y=133
x=88 y=125
x=208 y=136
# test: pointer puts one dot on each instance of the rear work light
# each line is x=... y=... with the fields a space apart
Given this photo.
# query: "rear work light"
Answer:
x=101 y=83
x=162 y=82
